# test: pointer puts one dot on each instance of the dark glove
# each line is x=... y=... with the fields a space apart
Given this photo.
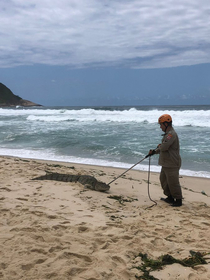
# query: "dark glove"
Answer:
x=151 y=153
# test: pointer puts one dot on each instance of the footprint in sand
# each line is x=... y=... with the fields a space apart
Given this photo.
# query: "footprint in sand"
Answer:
x=70 y=255
x=193 y=276
x=118 y=260
x=52 y=216
x=56 y=249
x=5 y=189
x=200 y=269
x=82 y=229
x=59 y=227
x=158 y=242
x=75 y=271
x=29 y=266
x=39 y=251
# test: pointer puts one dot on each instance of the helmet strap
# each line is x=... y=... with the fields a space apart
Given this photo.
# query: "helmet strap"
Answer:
x=166 y=126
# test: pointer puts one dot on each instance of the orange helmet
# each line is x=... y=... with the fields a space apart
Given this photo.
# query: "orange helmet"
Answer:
x=164 y=118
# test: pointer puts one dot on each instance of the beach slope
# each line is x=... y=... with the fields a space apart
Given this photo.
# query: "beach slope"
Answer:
x=62 y=230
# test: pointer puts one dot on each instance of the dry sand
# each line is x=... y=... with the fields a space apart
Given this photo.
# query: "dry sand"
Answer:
x=59 y=230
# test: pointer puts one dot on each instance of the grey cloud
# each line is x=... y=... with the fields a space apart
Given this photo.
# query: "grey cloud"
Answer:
x=138 y=34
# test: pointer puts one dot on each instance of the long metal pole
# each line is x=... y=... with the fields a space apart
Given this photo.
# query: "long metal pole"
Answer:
x=129 y=169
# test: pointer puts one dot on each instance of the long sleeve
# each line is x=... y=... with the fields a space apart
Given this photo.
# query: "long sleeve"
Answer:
x=169 y=150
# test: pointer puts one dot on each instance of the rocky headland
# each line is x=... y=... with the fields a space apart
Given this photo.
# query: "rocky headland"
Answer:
x=8 y=99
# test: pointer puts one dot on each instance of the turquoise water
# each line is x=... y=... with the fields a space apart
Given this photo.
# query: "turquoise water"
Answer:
x=107 y=136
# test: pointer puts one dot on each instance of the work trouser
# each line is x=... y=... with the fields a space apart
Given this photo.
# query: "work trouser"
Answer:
x=169 y=179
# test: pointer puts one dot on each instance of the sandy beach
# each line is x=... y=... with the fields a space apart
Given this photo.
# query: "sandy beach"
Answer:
x=61 y=230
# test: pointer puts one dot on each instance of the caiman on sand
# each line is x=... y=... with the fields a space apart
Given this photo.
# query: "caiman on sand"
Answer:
x=88 y=181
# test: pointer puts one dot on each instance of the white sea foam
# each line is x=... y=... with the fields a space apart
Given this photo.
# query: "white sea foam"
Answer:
x=199 y=118
x=48 y=155
x=181 y=118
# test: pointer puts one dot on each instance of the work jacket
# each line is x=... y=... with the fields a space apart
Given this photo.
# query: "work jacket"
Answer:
x=169 y=150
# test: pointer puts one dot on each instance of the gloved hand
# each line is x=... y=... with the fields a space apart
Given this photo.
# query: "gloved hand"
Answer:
x=152 y=152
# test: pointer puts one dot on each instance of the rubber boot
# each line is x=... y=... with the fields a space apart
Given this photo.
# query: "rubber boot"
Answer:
x=169 y=199
x=177 y=203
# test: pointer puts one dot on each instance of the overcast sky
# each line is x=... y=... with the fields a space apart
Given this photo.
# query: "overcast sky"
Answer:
x=88 y=52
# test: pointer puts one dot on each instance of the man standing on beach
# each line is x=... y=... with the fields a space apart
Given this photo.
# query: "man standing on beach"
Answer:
x=170 y=161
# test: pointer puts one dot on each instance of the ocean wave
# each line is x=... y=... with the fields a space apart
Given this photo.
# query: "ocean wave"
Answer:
x=114 y=137
x=181 y=118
